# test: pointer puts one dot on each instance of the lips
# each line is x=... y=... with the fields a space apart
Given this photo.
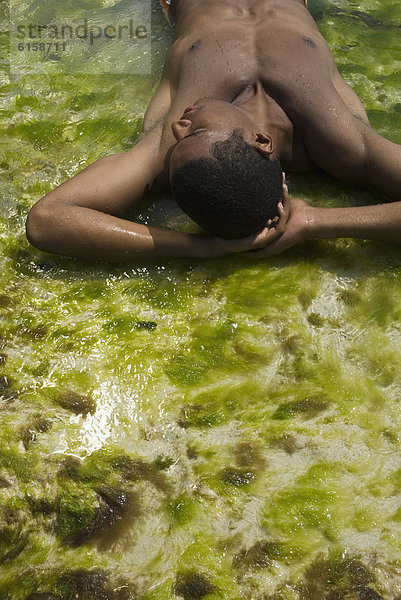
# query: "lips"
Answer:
x=189 y=110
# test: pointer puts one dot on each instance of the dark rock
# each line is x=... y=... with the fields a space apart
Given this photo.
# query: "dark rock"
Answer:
x=258 y=556
x=93 y=585
x=9 y=396
x=140 y=470
x=149 y=325
x=41 y=506
x=38 y=425
x=76 y=403
x=70 y=467
x=367 y=593
x=5 y=383
x=85 y=585
x=5 y=301
x=237 y=477
x=14 y=552
x=315 y=319
x=28 y=436
x=193 y=586
x=192 y=453
x=248 y=454
x=290 y=343
x=42 y=596
x=117 y=509
x=289 y=443
x=45 y=266
x=338 y=578
x=366 y=18
x=38 y=332
x=41 y=424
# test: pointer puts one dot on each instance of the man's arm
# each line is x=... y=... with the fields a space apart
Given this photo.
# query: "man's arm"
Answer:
x=382 y=168
x=351 y=151
x=378 y=222
x=83 y=217
x=379 y=169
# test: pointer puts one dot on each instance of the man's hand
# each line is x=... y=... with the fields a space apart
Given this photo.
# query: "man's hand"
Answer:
x=295 y=230
x=252 y=244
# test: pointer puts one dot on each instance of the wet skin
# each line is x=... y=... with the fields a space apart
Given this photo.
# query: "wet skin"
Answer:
x=261 y=66
x=209 y=121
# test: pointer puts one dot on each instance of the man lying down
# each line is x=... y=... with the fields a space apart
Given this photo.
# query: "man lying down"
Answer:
x=249 y=89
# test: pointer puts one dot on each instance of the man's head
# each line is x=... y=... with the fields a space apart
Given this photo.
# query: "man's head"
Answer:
x=223 y=171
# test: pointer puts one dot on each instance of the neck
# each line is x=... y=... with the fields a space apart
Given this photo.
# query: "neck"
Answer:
x=270 y=117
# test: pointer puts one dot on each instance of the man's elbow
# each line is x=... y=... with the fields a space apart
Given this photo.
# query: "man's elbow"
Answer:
x=40 y=225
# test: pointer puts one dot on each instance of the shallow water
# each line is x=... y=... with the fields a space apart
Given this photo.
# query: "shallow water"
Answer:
x=197 y=429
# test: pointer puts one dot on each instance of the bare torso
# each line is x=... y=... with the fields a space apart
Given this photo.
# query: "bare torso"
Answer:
x=222 y=47
x=258 y=53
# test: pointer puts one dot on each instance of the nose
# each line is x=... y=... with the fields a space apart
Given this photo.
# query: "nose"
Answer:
x=180 y=128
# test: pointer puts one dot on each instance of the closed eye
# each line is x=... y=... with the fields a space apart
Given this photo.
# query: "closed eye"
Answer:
x=195 y=133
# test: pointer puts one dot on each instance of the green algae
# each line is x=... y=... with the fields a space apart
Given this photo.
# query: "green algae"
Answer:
x=196 y=429
x=182 y=509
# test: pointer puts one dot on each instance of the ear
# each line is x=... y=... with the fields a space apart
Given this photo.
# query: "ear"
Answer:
x=180 y=128
x=263 y=143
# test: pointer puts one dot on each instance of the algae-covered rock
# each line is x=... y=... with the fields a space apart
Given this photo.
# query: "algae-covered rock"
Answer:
x=193 y=586
x=13 y=538
x=198 y=415
x=182 y=509
x=138 y=469
x=308 y=407
x=100 y=518
x=163 y=463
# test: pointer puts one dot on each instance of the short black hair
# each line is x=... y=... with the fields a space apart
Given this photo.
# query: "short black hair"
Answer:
x=232 y=193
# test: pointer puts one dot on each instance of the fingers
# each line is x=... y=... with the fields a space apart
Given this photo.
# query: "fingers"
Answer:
x=270 y=233
x=286 y=198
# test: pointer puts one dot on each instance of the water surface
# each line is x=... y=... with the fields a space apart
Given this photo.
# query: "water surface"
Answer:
x=197 y=429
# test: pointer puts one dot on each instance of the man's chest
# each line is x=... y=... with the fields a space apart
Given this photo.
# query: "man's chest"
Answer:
x=219 y=61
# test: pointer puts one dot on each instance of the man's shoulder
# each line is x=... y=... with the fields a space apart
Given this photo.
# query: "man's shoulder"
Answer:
x=335 y=142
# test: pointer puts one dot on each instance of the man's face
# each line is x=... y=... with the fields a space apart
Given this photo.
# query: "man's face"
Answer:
x=207 y=121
